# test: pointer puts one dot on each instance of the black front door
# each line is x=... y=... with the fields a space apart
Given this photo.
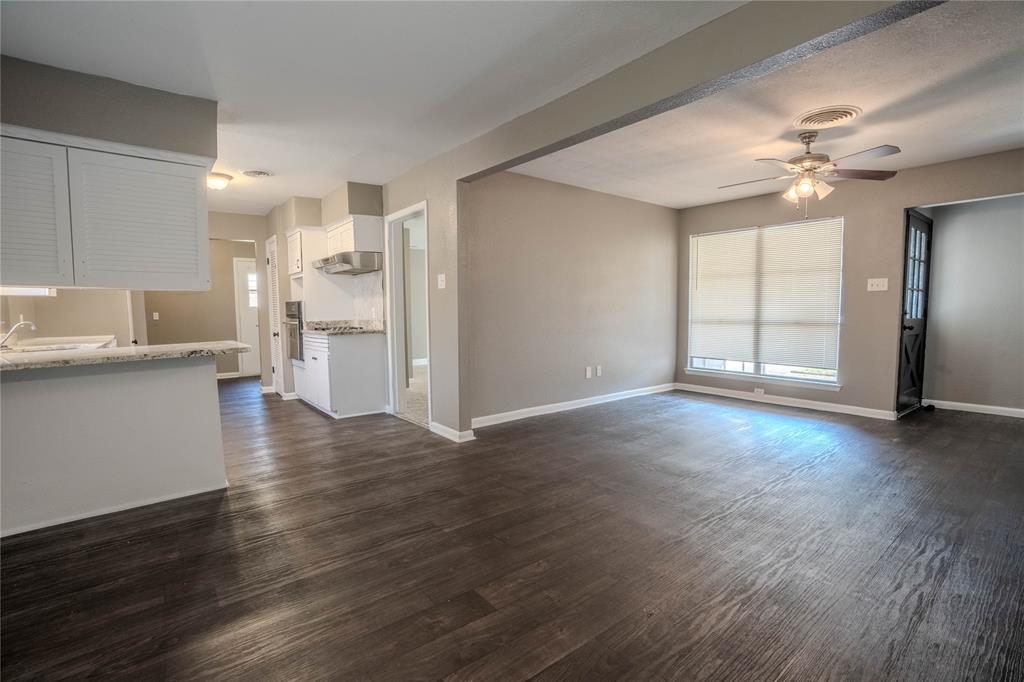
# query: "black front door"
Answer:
x=915 y=312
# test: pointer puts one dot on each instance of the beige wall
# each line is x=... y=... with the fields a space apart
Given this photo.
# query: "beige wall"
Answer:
x=873 y=237
x=751 y=36
x=974 y=351
x=44 y=97
x=74 y=312
x=563 y=278
x=187 y=316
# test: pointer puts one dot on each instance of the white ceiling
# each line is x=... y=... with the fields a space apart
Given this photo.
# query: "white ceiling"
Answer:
x=324 y=92
x=945 y=84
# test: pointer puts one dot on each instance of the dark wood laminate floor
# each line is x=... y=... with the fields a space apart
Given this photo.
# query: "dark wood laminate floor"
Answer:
x=671 y=536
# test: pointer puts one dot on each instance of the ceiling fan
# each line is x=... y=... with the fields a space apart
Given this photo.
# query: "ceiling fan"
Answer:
x=808 y=169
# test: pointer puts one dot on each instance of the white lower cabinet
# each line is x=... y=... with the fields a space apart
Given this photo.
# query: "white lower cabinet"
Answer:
x=343 y=375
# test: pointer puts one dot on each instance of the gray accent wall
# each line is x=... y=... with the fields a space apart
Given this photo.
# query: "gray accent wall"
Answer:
x=560 y=278
x=974 y=350
x=47 y=98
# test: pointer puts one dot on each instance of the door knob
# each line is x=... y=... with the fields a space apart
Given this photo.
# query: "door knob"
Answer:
x=908 y=327
x=277 y=333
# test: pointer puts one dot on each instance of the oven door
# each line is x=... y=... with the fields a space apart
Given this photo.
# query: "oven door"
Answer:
x=294 y=339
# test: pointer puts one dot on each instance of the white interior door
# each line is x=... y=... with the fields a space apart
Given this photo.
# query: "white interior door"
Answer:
x=275 y=316
x=247 y=314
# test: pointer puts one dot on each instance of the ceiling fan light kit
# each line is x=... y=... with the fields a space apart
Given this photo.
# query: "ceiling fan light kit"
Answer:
x=807 y=170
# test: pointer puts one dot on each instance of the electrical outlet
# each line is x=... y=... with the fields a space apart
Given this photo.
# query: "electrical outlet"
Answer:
x=440 y=281
x=590 y=372
x=759 y=391
x=156 y=316
x=878 y=284
x=598 y=370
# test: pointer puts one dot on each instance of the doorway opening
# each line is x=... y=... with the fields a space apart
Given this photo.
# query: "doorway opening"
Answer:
x=961 y=341
x=247 y=323
x=408 y=310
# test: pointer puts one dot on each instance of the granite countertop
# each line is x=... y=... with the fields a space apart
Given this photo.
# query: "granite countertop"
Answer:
x=18 y=360
x=336 y=327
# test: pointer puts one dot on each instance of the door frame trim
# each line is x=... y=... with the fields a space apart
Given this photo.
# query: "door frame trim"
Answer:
x=391 y=326
x=238 y=313
x=907 y=213
x=274 y=282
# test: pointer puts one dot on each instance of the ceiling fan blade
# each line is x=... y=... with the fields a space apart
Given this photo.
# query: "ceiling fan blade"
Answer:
x=749 y=182
x=785 y=164
x=873 y=153
x=857 y=174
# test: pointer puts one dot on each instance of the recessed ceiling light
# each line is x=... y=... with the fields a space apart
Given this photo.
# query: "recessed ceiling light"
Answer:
x=218 y=180
x=826 y=117
x=257 y=173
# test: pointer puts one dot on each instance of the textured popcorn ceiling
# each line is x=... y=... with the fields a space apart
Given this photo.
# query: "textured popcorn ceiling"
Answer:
x=945 y=84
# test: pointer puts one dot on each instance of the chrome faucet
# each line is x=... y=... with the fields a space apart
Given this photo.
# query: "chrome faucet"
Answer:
x=3 y=341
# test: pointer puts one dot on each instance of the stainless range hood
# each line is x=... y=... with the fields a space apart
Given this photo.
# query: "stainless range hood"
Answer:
x=350 y=262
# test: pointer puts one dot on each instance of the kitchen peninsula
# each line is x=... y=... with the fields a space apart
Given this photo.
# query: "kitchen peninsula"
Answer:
x=87 y=432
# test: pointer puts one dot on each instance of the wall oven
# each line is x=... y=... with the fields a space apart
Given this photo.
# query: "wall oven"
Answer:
x=293 y=328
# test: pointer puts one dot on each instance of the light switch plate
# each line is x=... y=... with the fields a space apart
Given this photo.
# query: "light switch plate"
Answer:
x=878 y=284
x=440 y=281
x=156 y=316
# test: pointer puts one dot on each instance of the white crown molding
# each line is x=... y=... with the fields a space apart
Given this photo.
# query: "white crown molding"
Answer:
x=502 y=417
x=974 y=407
x=66 y=140
x=887 y=415
x=452 y=434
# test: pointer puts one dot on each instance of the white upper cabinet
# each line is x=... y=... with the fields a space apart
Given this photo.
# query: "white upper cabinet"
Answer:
x=35 y=219
x=295 y=253
x=357 y=233
x=78 y=216
x=138 y=223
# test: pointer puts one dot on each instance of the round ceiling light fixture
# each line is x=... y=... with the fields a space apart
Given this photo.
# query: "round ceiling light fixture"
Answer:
x=218 y=181
x=257 y=173
x=827 y=117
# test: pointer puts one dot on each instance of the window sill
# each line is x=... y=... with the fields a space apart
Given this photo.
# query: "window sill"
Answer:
x=759 y=379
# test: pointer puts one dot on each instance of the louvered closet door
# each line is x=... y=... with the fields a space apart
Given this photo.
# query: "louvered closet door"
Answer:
x=138 y=223
x=35 y=217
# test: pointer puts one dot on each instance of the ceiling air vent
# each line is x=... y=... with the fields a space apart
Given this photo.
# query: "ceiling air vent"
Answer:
x=826 y=117
x=257 y=173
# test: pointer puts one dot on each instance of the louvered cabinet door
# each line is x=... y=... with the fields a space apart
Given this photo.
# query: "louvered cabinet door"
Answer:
x=138 y=223
x=35 y=218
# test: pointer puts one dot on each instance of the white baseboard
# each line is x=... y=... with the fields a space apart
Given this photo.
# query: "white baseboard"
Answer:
x=289 y=396
x=452 y=434
x=110 y=510
x=972 y=407
x=267 y=389
x=502 y=417
x=228 y=375
x=887 y=415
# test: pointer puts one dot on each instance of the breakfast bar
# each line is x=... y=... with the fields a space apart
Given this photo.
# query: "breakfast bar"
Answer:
x=85 y=432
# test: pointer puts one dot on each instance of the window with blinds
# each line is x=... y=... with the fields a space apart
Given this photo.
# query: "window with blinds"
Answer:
x=765 y=300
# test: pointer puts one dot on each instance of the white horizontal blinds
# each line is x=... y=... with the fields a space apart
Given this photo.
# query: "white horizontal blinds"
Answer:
x=35 y=222
x=769 y=294
x=801 y=271
x=137 y=216
x=723 y=295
